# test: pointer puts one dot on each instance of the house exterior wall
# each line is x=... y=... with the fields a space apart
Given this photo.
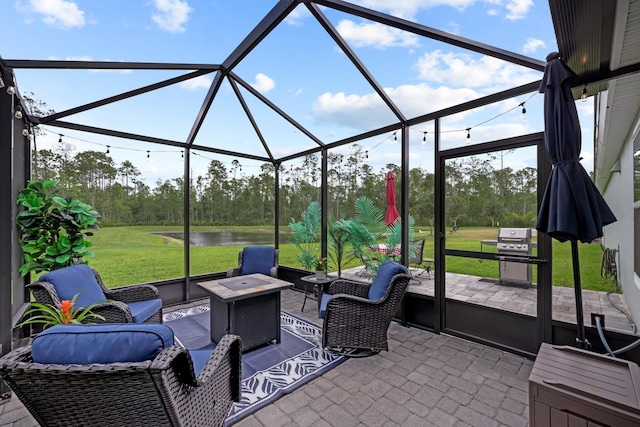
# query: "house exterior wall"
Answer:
x=620 y=234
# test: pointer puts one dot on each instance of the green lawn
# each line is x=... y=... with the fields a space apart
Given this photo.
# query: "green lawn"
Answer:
x=127 y=255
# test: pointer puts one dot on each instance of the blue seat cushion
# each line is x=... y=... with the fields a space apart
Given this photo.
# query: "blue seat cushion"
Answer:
x=76 y=279
x=381 y=283
x=258 y=259
x=323 y=305
x=142 y=310
x=104 y=343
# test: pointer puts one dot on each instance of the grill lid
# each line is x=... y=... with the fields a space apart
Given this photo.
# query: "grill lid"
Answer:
x=514 y=234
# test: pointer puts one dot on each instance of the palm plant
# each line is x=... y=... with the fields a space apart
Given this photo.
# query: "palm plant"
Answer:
x=368 y=228
x=339 y=236
x=306 y=235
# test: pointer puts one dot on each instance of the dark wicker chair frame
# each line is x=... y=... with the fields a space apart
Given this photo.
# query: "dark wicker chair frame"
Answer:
x=419 y=262
x=353 y=324
x=115 y=310
x=159 y=392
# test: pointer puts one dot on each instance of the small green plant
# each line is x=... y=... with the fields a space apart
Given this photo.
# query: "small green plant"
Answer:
x=339 y=236
x=52 y=228
x=321 y=264
x=63 y=314
x=306 y=234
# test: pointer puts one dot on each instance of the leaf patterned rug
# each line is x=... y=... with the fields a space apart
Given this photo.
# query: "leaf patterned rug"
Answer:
x=269 y=371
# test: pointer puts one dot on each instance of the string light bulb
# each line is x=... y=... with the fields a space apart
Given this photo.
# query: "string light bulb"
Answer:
x=585 y=94
x=424 y=138
x=25 y=131
x=60 y=139
x=468 y=133
x=366 y=154
x=108 y=146
x=11 y=90
x=148 y=155
x=18 y=113
x=395 y=138
x=524 y=110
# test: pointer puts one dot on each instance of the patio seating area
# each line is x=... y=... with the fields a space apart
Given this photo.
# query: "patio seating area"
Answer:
x=423 y=380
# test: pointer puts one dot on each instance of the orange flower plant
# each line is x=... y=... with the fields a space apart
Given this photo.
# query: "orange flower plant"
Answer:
x=63 y=314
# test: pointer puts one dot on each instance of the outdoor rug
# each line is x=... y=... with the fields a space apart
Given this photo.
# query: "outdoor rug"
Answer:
x=269 y=371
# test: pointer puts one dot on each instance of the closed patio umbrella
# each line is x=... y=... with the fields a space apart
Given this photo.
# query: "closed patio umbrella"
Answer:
x=572 y=208
x=392 y=212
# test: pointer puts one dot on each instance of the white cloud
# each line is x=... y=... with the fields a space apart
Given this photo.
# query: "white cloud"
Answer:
x=532 y=45
x=517 y=9
x=407 y=9
x=171 y=15
x=375 y=34
x=369 y=111
x=457 y=69
x=454 y=27
x=200 y=82
x=62 y=14
x=263 y=83
x=297 y=15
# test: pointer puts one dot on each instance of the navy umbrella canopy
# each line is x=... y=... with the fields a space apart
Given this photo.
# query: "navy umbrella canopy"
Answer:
x=572 y=208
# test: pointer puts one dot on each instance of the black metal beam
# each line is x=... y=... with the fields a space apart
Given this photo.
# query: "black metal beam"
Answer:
x=186 y=204
x=206 y=104
x=247 y=111
x=124 y=95
x=264 y=27
x=432 y=33
x=105 y=65
x=7 y=224
x=439 y=243
x=349 y=140
x=330 y=29
x=273 y=106
x=404 y=194
x=477 y=103
x=153 y=140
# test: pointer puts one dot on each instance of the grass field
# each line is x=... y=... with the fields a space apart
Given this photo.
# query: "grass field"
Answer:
x=127 y=255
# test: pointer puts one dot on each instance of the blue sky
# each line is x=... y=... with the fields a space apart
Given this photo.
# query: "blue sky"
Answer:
x=298 y=67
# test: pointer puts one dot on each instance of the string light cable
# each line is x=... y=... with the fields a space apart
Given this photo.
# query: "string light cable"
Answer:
x=470 y=128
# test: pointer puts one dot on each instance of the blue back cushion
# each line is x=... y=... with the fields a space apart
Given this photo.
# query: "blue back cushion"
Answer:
x=258 y=259
x=381 y=283
x=104 y=343
x=76 y=279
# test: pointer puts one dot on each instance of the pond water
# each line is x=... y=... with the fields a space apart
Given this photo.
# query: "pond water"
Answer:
x=224 y=238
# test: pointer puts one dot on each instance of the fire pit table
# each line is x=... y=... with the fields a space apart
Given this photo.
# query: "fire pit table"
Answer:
x=248 y=306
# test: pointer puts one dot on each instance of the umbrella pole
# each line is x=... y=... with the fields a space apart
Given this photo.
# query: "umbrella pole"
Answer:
x=580 y=340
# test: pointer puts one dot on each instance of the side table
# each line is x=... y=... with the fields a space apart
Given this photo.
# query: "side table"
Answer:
x=317 y=287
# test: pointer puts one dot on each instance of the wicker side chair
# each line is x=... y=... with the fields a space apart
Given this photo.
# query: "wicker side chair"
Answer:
x=356 y=325
x=127 y=304
x=164 y=391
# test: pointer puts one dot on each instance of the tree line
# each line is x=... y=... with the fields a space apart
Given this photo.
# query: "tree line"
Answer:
x=477 y=194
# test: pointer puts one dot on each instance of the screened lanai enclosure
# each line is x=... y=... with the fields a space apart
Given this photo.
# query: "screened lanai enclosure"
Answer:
x=452 y=160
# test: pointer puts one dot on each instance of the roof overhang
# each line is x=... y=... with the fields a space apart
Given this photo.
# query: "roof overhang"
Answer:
x=598 y=39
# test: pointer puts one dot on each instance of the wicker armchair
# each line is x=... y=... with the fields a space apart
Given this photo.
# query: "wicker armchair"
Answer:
x=127 y=304
x=356 y=325
x=164 y=391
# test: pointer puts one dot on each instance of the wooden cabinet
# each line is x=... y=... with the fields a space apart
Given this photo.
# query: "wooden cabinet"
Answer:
x=576 y=388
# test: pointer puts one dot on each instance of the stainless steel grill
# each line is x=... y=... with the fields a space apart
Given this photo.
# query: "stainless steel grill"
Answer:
x=514 y=241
